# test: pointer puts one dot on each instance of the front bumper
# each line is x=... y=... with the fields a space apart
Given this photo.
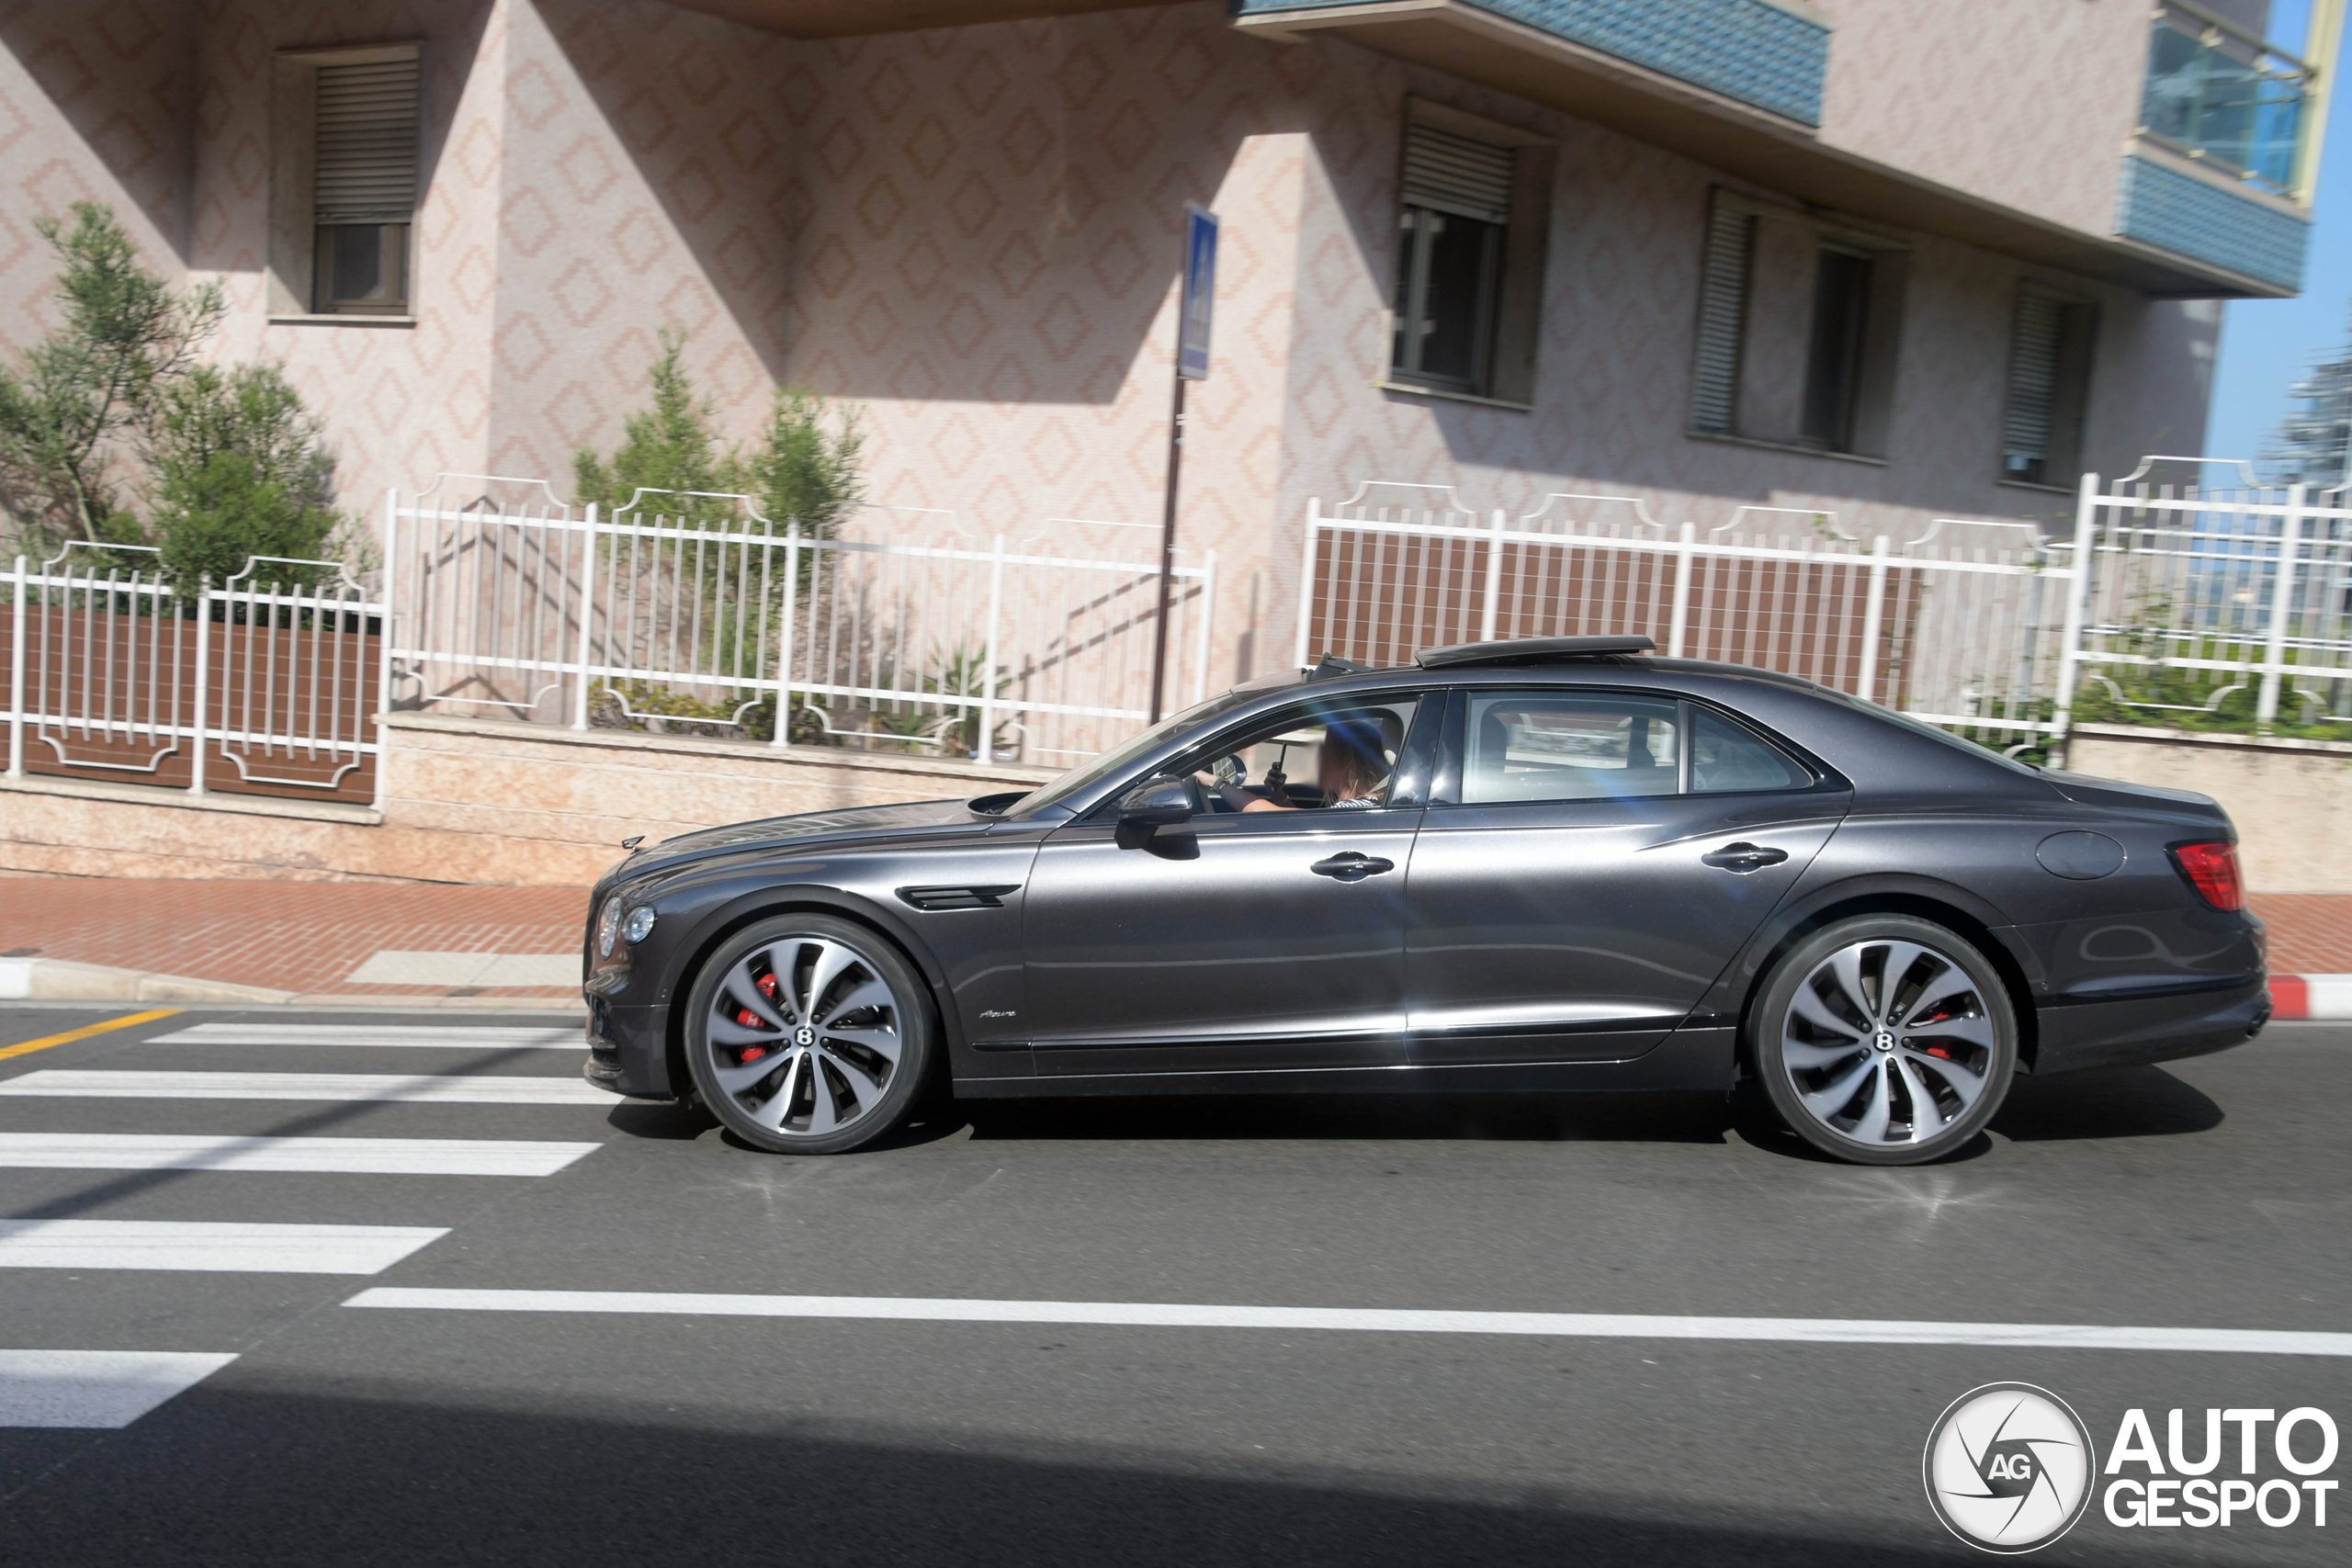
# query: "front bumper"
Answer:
x=629 y=1049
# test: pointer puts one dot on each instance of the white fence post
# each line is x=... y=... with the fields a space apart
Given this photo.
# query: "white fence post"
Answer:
x=1306 y=576
x=17 y=678
x=987 y=669
x=2078 y=593
x=197 y=763
x=2282 y=601
x=384 y=642
x=587 y=620
x=1874 y=617
x=1682 y=562
x=14 y=680
x=783 y=736
x=1200 y=642
x=1494 y=579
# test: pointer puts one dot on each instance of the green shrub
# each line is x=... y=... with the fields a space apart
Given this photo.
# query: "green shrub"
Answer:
x=805 y=464
x=65 y=411
x=239 y=470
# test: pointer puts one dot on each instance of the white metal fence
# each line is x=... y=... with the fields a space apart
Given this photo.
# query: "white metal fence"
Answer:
x=2174 y=603
x=265 y=684
x=1962 y=627
x=901 y=628
x=2222 y=607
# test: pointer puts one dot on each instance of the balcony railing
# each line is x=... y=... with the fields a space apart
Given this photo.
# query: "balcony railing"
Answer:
x=2221 y=95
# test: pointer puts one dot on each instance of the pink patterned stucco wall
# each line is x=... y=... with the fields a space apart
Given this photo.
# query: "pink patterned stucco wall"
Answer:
x=2025 y=103
x=972 y=234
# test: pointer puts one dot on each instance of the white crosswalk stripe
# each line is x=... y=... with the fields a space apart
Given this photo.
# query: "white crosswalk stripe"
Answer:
x=208 y=1245
x=102 y=1389
x=365 y=1156
x=439 y=1036
x=411 y=1088
x=112 y=1388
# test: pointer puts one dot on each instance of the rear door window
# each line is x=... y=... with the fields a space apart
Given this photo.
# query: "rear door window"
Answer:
x=1531 y=746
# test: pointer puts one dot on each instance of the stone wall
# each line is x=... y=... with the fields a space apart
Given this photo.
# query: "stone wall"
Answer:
x=466 y=800
x=2291 y=799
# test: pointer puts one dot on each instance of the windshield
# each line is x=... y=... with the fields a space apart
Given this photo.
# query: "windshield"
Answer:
x=1120 y=755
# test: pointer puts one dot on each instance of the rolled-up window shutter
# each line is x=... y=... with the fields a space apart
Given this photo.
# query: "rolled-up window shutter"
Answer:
x=1723 y=312
x=366 y=142
x=2034 y=355
x=1450 y=173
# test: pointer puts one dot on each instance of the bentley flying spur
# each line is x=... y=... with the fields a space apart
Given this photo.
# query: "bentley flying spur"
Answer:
x=1510 y=867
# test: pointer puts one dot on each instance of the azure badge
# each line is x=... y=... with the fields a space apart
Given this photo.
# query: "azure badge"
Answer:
x=2009 y=1467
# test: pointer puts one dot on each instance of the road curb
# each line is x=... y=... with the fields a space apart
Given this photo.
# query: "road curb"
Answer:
x=60 y=980
x=2311 y=995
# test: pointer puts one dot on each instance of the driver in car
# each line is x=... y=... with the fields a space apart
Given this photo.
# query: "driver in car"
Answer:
x=1352 y=770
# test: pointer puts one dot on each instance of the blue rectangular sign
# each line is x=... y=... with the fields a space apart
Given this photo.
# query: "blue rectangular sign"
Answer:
x=1200 y=293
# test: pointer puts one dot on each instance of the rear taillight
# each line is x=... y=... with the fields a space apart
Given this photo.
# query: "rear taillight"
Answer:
x=2212 y=870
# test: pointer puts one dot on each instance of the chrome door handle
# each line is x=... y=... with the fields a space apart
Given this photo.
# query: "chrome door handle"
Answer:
x=1743 y=858
x=1351 y=865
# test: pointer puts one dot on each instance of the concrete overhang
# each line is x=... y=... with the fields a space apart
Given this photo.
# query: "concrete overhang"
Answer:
x=844 y=18
x=1777 y=153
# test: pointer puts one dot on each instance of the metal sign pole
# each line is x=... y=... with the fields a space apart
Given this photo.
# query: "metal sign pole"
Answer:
x=1195 y=307
x=1167 y=552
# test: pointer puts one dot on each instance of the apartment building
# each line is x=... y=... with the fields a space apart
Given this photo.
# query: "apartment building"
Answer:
x=1883 y=261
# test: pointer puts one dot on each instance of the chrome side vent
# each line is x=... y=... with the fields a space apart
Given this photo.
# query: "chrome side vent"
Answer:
x=938 y=898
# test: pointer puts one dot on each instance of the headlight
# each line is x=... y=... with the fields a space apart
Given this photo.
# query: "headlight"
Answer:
x=608 y=927
x=638 y=926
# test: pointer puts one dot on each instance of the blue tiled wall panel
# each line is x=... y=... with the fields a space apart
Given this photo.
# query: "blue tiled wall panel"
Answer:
x=1745 y=50
x=2188 y=217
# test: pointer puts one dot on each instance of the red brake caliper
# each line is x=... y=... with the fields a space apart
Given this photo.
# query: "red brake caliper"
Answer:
x=750 y=1019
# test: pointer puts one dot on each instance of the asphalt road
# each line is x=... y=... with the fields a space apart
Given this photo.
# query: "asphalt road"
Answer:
x=2209 y=1194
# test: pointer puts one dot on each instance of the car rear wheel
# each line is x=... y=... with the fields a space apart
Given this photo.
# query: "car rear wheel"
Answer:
x=809 y=1035
x=1884 y=1040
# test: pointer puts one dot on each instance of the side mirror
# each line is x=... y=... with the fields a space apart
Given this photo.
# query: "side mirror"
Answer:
x=1160 y=803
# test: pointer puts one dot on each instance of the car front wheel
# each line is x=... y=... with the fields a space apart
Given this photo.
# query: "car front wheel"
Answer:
x=1884 y=1040
x=809 y=1035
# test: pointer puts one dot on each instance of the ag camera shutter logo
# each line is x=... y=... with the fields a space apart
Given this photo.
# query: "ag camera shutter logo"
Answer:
x=2009 y=1467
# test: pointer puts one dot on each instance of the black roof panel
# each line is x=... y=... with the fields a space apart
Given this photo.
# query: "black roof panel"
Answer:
x=1530 y=651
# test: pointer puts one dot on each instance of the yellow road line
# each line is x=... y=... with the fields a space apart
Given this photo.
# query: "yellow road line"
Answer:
x=46 y=1041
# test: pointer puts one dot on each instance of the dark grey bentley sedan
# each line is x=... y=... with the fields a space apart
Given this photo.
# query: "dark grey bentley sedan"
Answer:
x=1515 y=866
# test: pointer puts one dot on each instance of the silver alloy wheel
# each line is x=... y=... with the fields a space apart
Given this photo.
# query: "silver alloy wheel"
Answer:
x=804 y=1035
x=1888 y=1044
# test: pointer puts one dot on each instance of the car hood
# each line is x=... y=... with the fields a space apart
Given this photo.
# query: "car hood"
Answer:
x=811 y=827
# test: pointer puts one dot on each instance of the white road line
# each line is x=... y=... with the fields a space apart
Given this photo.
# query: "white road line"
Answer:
x=437 y=1036
x=103 y=1389
x=374 y=1157
x=1561 y=1325
x=77 y=1083
x=230 y=1249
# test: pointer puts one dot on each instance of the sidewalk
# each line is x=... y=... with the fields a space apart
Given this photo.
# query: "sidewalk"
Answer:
x=318 y=941
x=374 y=943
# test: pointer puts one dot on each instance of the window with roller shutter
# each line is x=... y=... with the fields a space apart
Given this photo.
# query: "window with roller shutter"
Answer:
x=1797 y=330
x=345 y=129
x=364 y=193
x=1471 y=217
x=2050 y=350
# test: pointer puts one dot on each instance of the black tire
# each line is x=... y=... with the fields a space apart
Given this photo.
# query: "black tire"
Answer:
x=1847 y=1056
x=869 y=1002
